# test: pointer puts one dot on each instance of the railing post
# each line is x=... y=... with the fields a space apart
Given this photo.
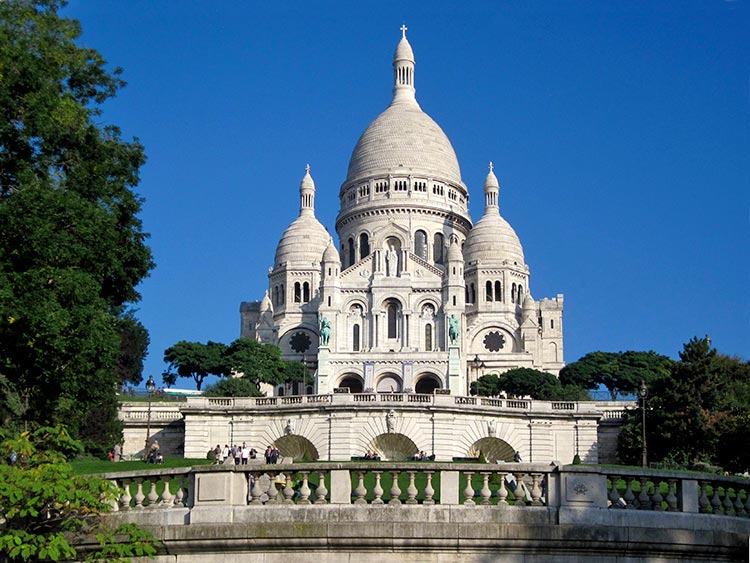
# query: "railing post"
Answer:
x=449 y=487
x=341 y=486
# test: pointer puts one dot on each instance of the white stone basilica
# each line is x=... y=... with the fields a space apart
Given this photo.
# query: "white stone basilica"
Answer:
x=410 y=263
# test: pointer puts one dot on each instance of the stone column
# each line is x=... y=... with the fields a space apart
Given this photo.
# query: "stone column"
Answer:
x=456 y=380
x=324 y=379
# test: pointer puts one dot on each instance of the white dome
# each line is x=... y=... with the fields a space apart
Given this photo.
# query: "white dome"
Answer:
x=404 y=138
x=303 y=243
x=493 y=240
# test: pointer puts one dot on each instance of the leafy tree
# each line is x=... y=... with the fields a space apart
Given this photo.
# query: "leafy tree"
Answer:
x=46 y=509
x=134 y=341
x=196 y=360
x=486 y=385
x=258 y=362
x=698 y=413
x=619 y=372
x=521 y=382
x=233 y=387
x=72 y=250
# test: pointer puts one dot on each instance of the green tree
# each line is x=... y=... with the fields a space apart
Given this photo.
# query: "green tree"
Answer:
x=521 y=382
x=233 y=387
x=260 y=363
x=46 y=509
x=486 y=385
x=619 y=372
x=72 y=250
x=196 y=360
x=134 y=341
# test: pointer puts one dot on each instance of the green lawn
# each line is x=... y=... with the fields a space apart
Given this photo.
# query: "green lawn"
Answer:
x=89 y=466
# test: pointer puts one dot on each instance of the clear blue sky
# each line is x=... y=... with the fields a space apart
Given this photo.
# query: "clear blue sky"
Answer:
x=620 y=132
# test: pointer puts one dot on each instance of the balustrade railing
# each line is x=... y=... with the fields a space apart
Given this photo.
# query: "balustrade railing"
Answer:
x=152 y=489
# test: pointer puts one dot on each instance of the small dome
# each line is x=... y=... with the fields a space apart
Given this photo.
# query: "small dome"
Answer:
x=331 y=254
x=403 y=51
x=302 y=243
x=454 y=252
x=528 y=302
x=265 y=304
x=493 y=240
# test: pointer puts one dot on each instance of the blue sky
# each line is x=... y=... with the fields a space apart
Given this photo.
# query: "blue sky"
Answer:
x=620 y=132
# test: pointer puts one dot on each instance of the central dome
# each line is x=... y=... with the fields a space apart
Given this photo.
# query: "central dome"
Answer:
x=404 y=138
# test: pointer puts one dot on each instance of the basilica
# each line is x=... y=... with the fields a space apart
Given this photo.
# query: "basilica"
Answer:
x=414 y=296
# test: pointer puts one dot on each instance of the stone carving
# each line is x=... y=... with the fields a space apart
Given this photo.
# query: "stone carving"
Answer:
x=580 y=488
x=390 y=421
x=325 y=331
x=453 y=330
x=491 y=429
x=289 y=428
x=391 y=263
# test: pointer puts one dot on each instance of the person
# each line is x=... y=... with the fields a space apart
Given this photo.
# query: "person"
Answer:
x=225 y=453
x=268 y=454
x=153 y=452
x=117 y=453
x=517 y=457
x=217 y=454
x=275 y=453
x=253 y=453
x=244 y=454
x=236 y=454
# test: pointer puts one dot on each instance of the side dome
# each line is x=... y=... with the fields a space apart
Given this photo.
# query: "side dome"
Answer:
x=303 y=243
x=493 y=240
x=305 y=240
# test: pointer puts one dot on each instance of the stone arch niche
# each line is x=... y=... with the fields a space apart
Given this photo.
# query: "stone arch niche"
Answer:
x=494 y=449
x=427 y=383
x=394 y=447
x=389 y=383
x=352 y=381
x=297 y=447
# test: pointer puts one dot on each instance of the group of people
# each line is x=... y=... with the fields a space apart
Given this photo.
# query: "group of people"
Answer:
x=115 y=454
x=371 y=454
x=154 y=454
x=422 y=456
x=272 y=454
x=238 y=454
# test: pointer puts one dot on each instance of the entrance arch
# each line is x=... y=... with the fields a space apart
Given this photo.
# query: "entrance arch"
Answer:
x=297 y=447
x=427 y=383
x=353 y=382
x=494 y=449
x=394 y=447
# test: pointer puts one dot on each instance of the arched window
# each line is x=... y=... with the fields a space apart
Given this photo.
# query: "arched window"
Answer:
x=392 y=313
x=355 y=338
x=420 y=244
x=468 y=300
x=428 y=337
x=276 y=295
x=498 y=291
x=473 y=293
x=364 y=246
x=352 y=257
x=437 y=247
x=306 y=292
x=520 y=293
x=488 y=291
x=282 y=295
x=513 y=294
x=297 y=292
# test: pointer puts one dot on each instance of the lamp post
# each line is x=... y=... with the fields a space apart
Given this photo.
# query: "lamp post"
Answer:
x=478 y=365
x=643 y=393
x=150 y=386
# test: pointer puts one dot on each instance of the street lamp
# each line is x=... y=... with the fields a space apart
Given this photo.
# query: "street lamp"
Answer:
x=150 y=386
x=643 y=393
x=478 y=365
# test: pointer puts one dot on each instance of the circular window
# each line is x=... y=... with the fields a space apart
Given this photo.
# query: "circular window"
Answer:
x=300 y=342
x=494 y=341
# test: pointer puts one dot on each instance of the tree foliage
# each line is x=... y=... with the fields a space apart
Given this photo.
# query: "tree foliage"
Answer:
x=526 y=382
x=619 y=372
x=233 y=387
x=195 y=360
x=72 y=249
x=698 y=412
x=47 y=511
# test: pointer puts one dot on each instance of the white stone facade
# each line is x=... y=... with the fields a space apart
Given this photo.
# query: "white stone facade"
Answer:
x=409 y=259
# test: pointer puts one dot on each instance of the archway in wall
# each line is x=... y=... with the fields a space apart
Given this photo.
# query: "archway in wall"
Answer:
x=297 y=447
x=427 y=383
x=494 y=449
x=389 y=383
x=353 y=382
x=394 y=447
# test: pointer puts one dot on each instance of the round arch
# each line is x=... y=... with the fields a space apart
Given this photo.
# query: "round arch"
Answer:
x=394 y=447
x=389 y=383
x=352 y=381
x=493 y=449
x=297 y=447
x=426 y=383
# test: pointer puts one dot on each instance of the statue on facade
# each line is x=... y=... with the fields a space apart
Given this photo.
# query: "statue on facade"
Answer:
x=289 y=428
x=390 y=421
x=453 y=330
x=325 y=331
x=491 y=429
x=391 y=262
